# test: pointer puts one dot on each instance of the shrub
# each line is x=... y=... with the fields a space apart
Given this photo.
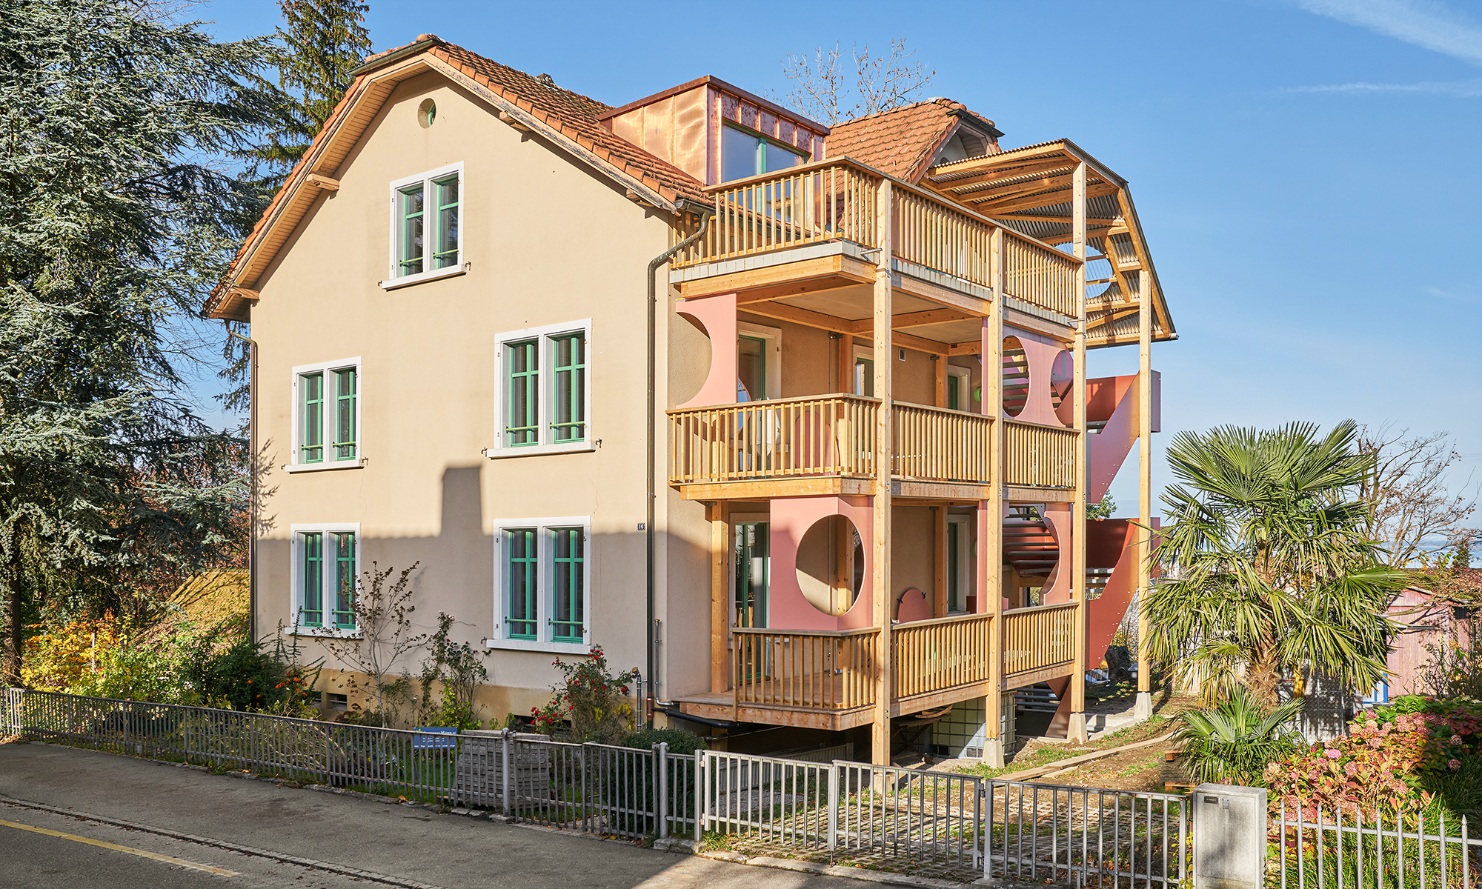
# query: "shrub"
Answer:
x=1236 y=740
x=456 y=667
x=681 y=743
x=1415 y=752
x=589 y=703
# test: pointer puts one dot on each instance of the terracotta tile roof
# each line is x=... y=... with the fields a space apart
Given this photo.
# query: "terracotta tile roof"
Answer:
x=901 y=142
x=575 y=116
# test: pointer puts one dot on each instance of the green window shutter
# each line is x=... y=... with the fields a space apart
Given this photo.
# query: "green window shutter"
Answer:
x=522 y=387
x=954 y=394
x=344 y=587
x=568 y=585
x=569 y=402
x=445 y=250
x=311 y=613
x=411 y=244
x=521 y=564
x=345 y=445
x=311 y=418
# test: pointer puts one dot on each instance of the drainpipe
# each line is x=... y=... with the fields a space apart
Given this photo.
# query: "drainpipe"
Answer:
x=704 y=212
x=252 y=481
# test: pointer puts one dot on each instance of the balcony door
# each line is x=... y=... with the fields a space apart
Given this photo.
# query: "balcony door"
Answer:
x=962 y=561
x=753 y=567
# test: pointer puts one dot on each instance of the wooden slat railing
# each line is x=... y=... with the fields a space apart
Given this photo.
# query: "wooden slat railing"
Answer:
x=1035 y=638
x=835 y=200
x=936 y=655
x=1039 y=274
x=1039 y=456
x=936 y=444
x=782 y=438
x=830 y=200
x=930 y=232
x=813 y=670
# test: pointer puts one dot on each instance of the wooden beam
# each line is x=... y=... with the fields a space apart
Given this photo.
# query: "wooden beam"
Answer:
x=1076 y=732
x=782 y=279
x=939 y=561
x=939 y=380
x=880 y=585
x=323 y=183
x=766 y=489
x=994 y=208
x=720 y=598
x=914 y=319
x=806 y=317
x=1144 y=475
x=514 y=122
x=990 y=511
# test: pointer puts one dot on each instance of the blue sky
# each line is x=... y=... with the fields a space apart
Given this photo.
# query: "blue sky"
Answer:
x=1305 y=170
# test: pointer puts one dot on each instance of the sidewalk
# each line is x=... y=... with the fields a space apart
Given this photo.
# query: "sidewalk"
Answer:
x=409 y=843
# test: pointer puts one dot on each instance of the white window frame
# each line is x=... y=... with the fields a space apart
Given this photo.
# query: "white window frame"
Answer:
x=296 y=560
x=546 y=400
x=295 y=461
x=394 y=278
x=866 y=353
x=772 y=338
x=964 y=385
x=545 y=570
x=967 y=550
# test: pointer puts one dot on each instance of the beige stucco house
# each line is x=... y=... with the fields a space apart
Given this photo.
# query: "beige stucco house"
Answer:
x=701 y=381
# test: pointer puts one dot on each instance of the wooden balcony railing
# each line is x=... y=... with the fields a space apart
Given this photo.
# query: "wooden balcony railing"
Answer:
x=1037 y=638
x=835 y=200
x=824 y=201
x=783 y=438
x=939 y=655
x=936 y=444
x=930 y=232
x=1039 y=274
x=812 y=670
x=1039 y=456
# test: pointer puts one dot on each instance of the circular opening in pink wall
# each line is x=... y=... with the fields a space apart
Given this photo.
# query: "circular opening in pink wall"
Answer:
x=1062 y=377
x=1015 y=376
x=830 y=565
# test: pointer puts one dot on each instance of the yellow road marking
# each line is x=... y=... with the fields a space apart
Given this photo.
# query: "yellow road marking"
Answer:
x=127 y=850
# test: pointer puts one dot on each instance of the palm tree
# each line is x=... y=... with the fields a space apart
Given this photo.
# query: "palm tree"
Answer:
x=1268 y=573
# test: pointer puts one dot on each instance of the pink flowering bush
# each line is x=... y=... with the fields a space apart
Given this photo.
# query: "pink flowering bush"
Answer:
x=1417 y=752
x=589 y=703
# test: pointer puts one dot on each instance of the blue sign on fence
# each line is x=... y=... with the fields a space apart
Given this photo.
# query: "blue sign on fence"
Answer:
x=434 y=738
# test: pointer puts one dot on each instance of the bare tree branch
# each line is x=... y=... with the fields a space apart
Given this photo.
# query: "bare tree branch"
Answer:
x=1412 y=511
x=820 y=87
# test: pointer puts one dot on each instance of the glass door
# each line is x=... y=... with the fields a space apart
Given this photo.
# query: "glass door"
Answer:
x=753 y=572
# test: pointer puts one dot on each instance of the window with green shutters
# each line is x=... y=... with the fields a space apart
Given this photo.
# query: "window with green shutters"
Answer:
x=325 y=568
x=568 y=421
x=344 y=440
x=522 y=600
x=311 y=423
x=522 y=425
x=427 y=224
x=542 y=584
x=311 y=613
x=327 y=420
x=344 y=581
x=544 y=394
x=413 y=230
x=567 y=584
x=445 y=253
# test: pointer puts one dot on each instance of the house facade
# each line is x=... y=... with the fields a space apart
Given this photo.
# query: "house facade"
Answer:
x=701 y=381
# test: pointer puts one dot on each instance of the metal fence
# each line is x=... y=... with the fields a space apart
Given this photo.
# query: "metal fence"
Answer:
x=1379 y=849
x=928 y=822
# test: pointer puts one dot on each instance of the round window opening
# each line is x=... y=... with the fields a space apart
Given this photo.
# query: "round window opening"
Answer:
x=426 y=113
x=830 y=564
x=1015 y=376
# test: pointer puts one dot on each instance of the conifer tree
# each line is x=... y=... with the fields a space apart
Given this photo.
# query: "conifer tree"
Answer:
x=319 y=43
x=117 y=216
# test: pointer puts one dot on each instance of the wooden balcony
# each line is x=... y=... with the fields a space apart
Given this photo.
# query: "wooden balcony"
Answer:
x=1038 y=644
x=828 y=679
x=1039 y=456
x=823 y=445
x=769 y=230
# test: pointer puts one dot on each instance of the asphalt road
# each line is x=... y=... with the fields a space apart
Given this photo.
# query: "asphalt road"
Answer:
x=56 y=804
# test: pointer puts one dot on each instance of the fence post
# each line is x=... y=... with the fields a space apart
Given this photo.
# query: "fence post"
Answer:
x=661 y=755
x=833 y=806
x=505 y=783
x=988 y=830
x=702 y=801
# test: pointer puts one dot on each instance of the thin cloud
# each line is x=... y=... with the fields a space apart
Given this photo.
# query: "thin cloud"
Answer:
x=1424 y=23
x=1460 y=89
x=1449 y=296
